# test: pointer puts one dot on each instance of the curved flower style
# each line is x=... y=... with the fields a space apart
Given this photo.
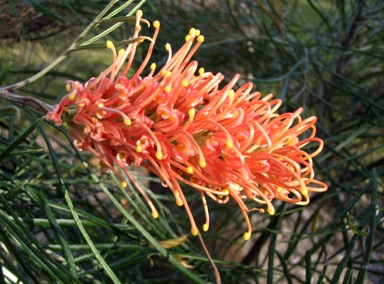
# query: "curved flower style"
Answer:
x=181 y=126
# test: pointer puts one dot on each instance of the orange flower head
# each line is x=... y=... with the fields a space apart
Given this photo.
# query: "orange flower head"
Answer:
x=227 y=143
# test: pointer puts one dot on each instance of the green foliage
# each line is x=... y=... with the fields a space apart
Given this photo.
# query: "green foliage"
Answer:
x=63 y=221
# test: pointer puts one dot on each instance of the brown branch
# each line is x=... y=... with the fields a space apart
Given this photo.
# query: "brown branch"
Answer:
x=215 y=270
x=275 y=20
x=25 y=102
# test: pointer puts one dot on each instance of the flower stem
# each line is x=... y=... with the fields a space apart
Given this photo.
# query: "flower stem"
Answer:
x=24 y=101
x=215 y=270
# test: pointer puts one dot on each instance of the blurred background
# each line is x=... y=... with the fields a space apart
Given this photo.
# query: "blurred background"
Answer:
x=62 y=221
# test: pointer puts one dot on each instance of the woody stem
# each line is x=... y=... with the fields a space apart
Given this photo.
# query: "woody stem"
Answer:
x=25 y=102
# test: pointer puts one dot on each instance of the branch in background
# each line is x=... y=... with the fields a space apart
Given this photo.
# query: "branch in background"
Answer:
x=26 y=102
x=64 y=55
x=276 y=21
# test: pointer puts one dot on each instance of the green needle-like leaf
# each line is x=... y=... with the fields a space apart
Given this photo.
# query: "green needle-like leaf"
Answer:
x=20 y=138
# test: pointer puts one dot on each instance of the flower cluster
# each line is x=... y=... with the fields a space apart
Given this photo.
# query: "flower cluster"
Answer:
x=177 y=122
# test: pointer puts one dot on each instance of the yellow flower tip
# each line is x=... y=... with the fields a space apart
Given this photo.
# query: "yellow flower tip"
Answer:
x=179 y=202
x=127 y=121
x=185 y=83
x=271 y=210
x=139 y=149
x=192 y=32
x=159 y=155
x=189 y=170
x=168 y=74
x=194 y=231
x=201 y=71
x=229 y=143
x=156 y=24
x=165 y=73
x=72 y=95
x=123 y=184
x=167 y=47
x=139 y=13
x=109 y=44
x=167 y=89
x=153 y=66
x=246 y=236
x=192 y=113
x=304 y=191
x=224 y=192
x=197 y=31
x=202 y=163
x=155 y=214
x=100 y=105
x=231 y=94
x=187 y=37
x=68 y=87
x=205 y=227
x=121 y=52
x=200 y=39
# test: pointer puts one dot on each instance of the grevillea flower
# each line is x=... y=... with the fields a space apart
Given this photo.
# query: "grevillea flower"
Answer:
x=226 y=143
